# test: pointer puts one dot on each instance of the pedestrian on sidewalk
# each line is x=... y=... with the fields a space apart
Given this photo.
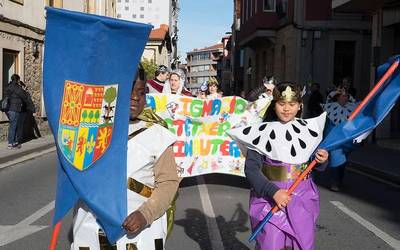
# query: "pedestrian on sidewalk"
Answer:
x=271 y=172
x=314 y=107
x=27 y=128
x=152 y=182
x=18 y=97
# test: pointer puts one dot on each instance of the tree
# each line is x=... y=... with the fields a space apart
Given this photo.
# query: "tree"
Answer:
x=149 y=67
x=109 y=97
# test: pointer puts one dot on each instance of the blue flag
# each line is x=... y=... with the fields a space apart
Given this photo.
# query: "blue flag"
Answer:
x=89 y=65
x=371 y=115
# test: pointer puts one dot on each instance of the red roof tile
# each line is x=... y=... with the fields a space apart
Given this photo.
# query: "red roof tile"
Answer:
x=160 y=33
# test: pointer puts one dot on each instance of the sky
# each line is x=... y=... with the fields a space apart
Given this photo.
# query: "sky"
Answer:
x=202 y=23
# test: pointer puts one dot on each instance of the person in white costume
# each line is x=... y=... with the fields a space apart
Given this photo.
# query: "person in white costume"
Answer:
x=152 y=183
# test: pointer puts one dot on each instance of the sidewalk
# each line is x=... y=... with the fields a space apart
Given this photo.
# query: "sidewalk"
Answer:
x=29 y=150
x=379 y=161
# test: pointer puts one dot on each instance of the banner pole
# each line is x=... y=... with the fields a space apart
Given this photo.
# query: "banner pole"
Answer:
x=54 y=236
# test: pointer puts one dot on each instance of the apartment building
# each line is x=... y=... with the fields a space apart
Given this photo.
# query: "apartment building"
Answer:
x=202 y=64
x=157 y=13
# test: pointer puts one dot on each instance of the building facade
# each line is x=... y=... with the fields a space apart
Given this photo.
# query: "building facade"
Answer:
x=158 y=48
x=156 y=13
x=202 y=64
x=302 y=41
x=22 y=25
x=319 y=41
x=384 y=43
x=224 y=70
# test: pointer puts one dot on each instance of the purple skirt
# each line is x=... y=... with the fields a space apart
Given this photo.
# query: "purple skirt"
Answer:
x=290 y=228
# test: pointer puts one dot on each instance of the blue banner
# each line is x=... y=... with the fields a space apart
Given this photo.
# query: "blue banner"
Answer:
x=371 y=115
x=89 y=65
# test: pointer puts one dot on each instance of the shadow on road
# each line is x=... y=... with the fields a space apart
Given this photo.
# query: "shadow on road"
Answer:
x=195 y=227
x=218 y=179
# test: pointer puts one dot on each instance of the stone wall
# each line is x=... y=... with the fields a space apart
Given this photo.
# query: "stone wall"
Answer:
x=32 y=77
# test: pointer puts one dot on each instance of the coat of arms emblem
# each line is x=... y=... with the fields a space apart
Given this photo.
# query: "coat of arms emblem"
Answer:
x=86 y=122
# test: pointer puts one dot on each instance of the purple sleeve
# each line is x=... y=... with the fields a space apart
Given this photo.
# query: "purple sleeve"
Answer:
x=261 y=185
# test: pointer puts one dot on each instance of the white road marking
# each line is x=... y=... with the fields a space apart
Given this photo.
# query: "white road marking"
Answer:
x=27 y=157
x=213 y=230
x=368 y=225
x=13 y=233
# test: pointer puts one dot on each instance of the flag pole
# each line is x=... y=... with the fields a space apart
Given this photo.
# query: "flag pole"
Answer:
x=357 y=110
x=54 y=236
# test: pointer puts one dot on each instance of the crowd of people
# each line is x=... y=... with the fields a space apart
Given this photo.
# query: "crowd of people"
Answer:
x=152 y=185
x=268 y=188
x=173 y=82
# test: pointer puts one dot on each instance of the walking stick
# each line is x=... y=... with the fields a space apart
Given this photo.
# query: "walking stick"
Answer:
x=54 y=236
x=388 y=73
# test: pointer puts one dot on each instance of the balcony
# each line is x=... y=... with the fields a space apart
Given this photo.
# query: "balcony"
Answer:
x=201 y=62
x=202 y=73
x=358 y=5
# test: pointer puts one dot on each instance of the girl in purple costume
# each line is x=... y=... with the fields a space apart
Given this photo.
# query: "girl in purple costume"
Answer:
x=293 y=226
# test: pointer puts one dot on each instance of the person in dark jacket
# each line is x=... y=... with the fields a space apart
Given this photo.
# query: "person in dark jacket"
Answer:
x=314 y=107
x=18 y=97
x=27 y=128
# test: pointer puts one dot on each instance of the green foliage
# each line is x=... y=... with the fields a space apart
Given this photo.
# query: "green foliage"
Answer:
x=110 y=95
x=149 y=67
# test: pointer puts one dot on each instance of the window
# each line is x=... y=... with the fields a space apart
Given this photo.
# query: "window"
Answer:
x=55 y=3
x=142 y=8
x=126 y=7
x=269 y=5
x=141 y=16
x=126 y=1
x=118 y=15
x=119 y=1
x=283 y=62
x=281 y=8
x=251 y=8
x=133 y=15
x=247 y=9
x=10 y=66
x=149 y=1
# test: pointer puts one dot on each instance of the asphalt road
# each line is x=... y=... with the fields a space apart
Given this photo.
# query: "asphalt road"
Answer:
x=212 y=212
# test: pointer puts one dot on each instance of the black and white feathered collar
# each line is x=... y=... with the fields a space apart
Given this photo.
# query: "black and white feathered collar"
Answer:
x=291 y=142
x=338 y=113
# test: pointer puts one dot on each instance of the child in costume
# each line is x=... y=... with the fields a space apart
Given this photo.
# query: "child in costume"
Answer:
x=338 y=111
x=213 y=87
x=152 y=182
x=278 y=151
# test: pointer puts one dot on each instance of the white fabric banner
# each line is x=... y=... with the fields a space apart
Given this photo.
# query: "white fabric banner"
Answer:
x=203 y=146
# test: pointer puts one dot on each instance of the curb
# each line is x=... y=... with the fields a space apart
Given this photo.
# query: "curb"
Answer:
x=26 y=155
x=390 y=177
x=17 y=154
